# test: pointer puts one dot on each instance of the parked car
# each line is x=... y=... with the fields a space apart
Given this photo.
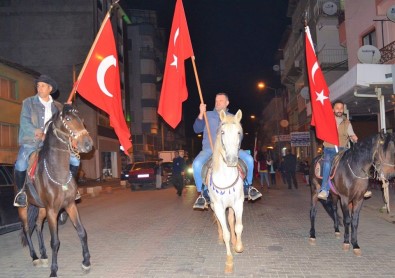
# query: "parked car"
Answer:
x=9 y=219
x=142 y=173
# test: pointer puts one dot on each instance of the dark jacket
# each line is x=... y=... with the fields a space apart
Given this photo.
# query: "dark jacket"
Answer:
x=290 y=163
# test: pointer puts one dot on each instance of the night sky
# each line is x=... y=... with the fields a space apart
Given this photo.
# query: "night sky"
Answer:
x=235 y=42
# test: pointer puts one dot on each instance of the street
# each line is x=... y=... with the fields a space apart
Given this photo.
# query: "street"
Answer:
x=155 y=233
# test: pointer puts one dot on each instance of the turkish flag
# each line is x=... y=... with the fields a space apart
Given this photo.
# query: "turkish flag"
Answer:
x=322 y=113
x=174 y=89
x=99 y=82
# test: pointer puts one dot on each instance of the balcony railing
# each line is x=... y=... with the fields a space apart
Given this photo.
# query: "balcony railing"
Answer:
x=387 y=53
x=332 y=56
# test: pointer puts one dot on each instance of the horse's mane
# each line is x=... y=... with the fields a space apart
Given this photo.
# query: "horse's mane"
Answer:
x=365 y=148
x=49 y=126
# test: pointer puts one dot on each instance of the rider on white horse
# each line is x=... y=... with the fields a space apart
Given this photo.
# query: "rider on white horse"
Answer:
x=221 y=103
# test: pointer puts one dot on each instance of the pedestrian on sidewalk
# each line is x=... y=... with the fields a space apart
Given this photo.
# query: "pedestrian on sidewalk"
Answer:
x=306 y=172
x=290 y=169
x=262 y=168
x=178 y=172
x=272 y=170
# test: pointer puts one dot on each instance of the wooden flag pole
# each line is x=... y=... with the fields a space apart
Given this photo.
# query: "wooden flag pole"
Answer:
x=201 y=101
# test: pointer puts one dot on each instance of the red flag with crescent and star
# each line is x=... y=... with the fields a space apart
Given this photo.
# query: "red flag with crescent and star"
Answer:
x=99 y=81
x=174 y=89
x=322 y=113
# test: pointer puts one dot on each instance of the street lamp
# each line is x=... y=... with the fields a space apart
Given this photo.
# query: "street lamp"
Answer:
x=261 y=86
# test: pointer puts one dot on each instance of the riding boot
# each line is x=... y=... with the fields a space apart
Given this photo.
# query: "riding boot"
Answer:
x=20 y=198
x=74 y=172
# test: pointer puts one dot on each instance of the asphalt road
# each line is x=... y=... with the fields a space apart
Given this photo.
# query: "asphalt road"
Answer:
x=155 y=233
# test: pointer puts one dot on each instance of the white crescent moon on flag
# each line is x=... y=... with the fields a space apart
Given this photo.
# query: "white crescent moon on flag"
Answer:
x=313 y=70
x=176 y=35
x=101 y=73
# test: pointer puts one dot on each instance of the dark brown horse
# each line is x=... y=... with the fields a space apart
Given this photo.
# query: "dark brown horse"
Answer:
x=350 y=181
x=54 y=188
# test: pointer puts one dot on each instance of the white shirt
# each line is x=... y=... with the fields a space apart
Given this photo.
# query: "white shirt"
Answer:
x=48 y=110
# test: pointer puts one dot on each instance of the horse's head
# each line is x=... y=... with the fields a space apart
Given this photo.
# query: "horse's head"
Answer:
x=385 y=155
x=229 y=136
x=73 y=126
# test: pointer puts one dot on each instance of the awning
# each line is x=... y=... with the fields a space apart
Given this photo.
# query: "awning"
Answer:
x=364 y=79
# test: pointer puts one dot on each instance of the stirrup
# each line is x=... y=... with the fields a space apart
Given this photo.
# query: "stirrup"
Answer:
x=202 y=206
x=17 y=200
x=253 y=198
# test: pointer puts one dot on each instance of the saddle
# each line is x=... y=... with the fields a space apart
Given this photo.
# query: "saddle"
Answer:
x=207 y=168
x=334 y=165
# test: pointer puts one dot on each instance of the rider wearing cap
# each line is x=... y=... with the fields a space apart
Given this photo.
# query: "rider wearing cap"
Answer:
x=36 y=111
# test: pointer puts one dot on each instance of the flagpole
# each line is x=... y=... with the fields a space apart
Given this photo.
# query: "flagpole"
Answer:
x=73 y=90
x=201 y=101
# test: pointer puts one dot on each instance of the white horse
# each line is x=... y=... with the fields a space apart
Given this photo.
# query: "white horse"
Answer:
x=225 y=183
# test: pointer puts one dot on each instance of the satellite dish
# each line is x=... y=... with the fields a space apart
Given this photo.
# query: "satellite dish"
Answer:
x=391 y=13
x=276 y=67
x=369 y=54
x=329 y=8
x=305 y=93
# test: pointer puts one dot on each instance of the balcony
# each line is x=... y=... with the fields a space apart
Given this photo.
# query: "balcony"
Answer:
x=331 y=57
x=387 y=53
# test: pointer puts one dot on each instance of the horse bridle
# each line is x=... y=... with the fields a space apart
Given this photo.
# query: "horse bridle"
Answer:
x=71 y=135
x=70 y=148
x=223 y=145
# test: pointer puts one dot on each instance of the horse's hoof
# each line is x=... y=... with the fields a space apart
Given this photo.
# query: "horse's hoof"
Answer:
x=37 y=263
x=337 y=235
x=357 y=252
x=85 y=268
x=44 y=262
x=229 y=264
x=346 y=246
x=239 y=248
x=312 y=241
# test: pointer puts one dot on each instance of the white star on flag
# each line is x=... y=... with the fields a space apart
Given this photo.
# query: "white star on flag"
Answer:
x=174 y=61
x=321 y=97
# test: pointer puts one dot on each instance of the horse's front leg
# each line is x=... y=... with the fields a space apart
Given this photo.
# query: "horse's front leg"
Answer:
x=52 y=216
x=238 y=210
x=220 y=213
x=75 y=219
x=231 y=222
x=313 y=214
x=354 y=226
x=39 y=229
x=346 y=222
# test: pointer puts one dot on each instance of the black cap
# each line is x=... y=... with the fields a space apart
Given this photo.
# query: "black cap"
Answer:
x=46 y=79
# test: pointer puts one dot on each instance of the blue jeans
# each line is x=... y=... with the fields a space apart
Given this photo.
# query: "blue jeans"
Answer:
x=204 y=155
x=264 y=176
x=329 y=154
x=22 y=161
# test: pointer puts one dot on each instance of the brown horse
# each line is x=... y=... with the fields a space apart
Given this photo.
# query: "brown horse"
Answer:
x=350 y=182
x=54 y=188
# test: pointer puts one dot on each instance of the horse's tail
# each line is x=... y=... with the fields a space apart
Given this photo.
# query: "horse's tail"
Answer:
x=32 y=214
